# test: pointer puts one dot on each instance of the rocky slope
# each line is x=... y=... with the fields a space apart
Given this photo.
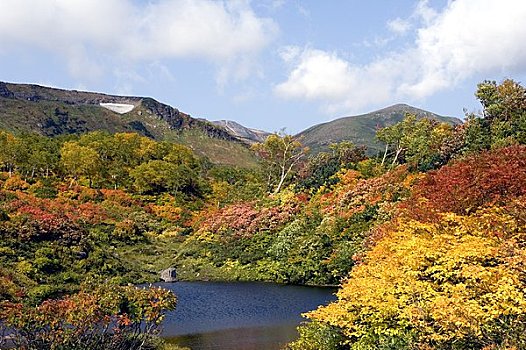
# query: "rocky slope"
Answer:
x=247 y=134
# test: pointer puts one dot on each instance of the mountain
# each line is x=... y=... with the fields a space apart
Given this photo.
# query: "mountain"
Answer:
x=50 y=111
x=241 y=132
x=361 y=129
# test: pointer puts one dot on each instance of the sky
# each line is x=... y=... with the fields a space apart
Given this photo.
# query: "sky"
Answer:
x=268 y=64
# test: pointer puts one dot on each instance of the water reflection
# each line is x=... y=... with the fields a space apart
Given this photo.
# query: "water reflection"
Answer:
x=256 y=338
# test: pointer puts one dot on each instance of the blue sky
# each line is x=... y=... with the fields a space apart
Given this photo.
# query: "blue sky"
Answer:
x=268 y=64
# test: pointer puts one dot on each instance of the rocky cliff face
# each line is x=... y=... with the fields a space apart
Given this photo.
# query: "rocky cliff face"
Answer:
x=248 y=134
x=5 y=92
x=35 y=93
x=180 y=121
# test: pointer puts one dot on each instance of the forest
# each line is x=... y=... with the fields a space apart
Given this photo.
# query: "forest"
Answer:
x=426 y=241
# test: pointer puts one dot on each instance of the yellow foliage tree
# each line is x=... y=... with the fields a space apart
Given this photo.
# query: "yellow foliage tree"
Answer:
x=456 y=284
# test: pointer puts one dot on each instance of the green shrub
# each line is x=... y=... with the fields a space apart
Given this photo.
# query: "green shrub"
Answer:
x=318 y=336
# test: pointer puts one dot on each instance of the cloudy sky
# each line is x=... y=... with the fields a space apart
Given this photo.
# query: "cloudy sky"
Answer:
x=269 y=64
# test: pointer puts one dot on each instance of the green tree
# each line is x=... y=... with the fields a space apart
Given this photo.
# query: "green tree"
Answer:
x=38 y=155
x=157 y=176
x=415 y=141
x=346 y=152
x=230 y=184
x=181 y=155
x=320 y=169
x=79 y=160
x=281 y=154
x=503 y=120
x=9 y=147
x=394 y=138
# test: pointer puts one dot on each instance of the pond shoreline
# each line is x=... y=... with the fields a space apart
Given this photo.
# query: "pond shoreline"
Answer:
x=233 y=280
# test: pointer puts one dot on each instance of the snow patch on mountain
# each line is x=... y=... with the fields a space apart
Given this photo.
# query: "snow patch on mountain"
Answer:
x=120 y=108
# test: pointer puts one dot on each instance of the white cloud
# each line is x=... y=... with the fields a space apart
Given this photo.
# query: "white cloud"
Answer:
x=399 y=26
x=338 y=84
x=424 y=12
x=289 y=53
x=319 y=75
x=80 y=65
x=211 y=29
x=468 y=38
x=216 y=31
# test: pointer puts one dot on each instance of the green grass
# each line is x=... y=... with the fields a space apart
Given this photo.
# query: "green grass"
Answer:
x=217 y=150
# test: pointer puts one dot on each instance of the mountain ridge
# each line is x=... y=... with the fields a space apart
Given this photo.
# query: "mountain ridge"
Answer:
x=52 y=111
x=361 y=129
x=175 y=118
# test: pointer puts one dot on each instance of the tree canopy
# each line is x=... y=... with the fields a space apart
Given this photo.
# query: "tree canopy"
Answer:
x=280 y=154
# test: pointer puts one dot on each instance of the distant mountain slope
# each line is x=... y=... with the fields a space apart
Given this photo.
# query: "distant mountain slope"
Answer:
x=50 y=111
x=361 y=129
x=248 y=134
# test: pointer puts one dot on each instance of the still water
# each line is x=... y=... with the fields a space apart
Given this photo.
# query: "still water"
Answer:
x=239 y=316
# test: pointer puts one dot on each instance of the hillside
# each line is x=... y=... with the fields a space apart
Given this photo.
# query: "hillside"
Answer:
x=361 y=129
x=50 y=112
x=425 y=257
x=247 y=134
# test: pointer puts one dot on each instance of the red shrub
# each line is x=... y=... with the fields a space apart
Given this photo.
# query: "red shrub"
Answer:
x=37 y=218
x=488 y=178
x=245 y=219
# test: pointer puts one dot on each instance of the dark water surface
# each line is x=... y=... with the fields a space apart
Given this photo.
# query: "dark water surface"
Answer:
x=240 y=315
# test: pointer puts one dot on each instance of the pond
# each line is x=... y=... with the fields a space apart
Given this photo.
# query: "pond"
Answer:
x=240 y=315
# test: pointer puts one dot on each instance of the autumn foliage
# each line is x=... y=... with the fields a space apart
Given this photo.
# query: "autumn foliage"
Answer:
x=447 y=272
x=353 y=193
x=485 y=179
x=459 y=281
x=244 y=219
x=105 y=318
x=426 y=261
